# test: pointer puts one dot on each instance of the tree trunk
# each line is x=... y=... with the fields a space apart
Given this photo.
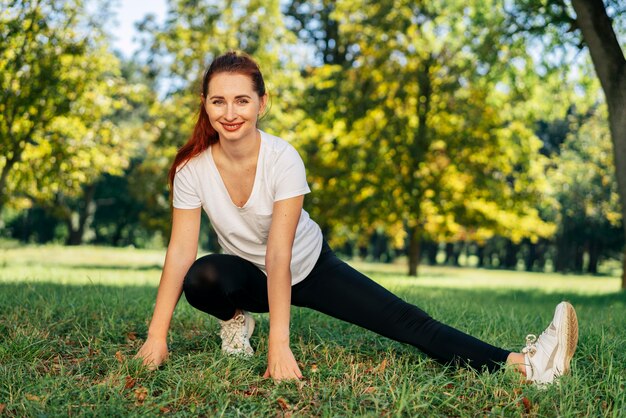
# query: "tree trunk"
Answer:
x=579 y=255
x=510 y=259
x=594 y=255
x=531 y=257
x=563 y=255
x=480 y=253
x=623 y=270
x=4 y=175
x=610 y=65
x=82 y=218
x=431 y=249
x=414 y=250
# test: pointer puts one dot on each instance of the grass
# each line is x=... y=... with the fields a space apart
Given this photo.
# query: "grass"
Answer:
x=72 y=318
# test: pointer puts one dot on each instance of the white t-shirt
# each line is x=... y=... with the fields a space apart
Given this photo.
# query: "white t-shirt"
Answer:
x=243 y=231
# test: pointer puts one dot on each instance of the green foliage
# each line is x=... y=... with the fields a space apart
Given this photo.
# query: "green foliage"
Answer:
x=583 y=181
x=418 y=132
x=60 y=88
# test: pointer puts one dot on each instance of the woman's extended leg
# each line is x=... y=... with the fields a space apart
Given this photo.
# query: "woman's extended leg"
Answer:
x=338 y=290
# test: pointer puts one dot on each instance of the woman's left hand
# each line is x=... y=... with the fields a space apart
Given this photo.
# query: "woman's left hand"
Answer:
x=281 y=364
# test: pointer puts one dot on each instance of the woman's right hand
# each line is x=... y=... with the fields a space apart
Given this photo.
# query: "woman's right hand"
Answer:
x=153 y=352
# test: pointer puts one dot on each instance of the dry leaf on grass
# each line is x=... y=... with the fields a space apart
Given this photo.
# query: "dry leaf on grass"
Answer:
x=130 y=382
x=284 y=405
x=141 y=394
x=527 y=405
x=119 y=356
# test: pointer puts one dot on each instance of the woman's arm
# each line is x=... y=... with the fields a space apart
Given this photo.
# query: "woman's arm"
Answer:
x=281 y=363
x=181 y=253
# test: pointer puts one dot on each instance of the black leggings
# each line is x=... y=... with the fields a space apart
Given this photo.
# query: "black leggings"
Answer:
x=220 y=284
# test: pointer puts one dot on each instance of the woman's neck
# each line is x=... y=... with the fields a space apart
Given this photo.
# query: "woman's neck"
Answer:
x=240 y=151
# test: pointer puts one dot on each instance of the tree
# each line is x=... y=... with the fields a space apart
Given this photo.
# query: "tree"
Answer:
x=60 y=88
x=584 y=183
x=413 y=135
x=587 y=22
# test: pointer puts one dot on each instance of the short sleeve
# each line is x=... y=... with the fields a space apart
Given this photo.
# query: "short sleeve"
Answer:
x=185 y=195
x=290 y=180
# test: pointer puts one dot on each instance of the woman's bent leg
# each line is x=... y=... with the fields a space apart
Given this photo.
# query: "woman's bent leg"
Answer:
x=219 y=284
x=338 y=290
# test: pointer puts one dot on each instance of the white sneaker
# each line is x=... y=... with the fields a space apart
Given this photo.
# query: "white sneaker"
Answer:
x=548 y=356
x=235 y=334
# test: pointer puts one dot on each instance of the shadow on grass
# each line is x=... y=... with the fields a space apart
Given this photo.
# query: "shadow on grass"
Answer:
x=116 y=267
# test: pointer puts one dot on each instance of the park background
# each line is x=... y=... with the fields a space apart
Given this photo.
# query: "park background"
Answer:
x=436 y=135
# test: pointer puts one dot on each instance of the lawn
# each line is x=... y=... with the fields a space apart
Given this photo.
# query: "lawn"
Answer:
x=72 y=318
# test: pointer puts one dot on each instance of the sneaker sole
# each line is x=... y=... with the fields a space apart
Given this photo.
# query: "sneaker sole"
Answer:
x=568 y=338
x=250 y=326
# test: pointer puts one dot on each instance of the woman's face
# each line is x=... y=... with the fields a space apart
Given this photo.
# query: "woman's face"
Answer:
x=233 y=106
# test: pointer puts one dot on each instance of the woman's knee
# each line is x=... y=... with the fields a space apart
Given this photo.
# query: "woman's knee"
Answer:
x=212 y=272
x=202 y=275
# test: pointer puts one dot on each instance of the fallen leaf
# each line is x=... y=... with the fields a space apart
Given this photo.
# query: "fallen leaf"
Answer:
x=527 y=404
x=283 y=404
x=314 y=368
x=31 y=397
x=165 y=410
x=130 y=382
x=369 y=389
x=131 y=335
x=381 y=367
x=2 y=407
x=251 y=391
x=119 y=356
x=140 y=395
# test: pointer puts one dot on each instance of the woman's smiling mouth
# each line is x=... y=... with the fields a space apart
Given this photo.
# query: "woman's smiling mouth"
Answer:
x=231 y=127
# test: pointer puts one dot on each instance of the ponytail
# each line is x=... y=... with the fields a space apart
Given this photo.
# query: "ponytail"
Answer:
x=203 y=136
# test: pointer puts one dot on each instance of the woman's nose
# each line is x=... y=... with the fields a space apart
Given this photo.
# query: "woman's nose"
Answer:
x=230 y=112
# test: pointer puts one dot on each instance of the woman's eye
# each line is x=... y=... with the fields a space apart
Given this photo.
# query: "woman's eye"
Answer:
x=243 y=101
x=216 y=102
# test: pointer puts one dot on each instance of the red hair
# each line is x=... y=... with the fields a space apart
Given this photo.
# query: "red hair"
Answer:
x=203 y=134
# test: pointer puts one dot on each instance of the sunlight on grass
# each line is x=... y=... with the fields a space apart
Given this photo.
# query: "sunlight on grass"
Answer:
x=129 y=266
x=81 y=265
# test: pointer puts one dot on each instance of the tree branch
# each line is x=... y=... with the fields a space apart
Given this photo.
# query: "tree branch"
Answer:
x=597 y=29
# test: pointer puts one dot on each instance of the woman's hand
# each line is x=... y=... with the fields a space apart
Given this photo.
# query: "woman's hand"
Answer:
x=281 y=364
x=153 y=352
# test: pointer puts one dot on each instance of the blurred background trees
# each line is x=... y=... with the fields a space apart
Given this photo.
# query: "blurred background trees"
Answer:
x=446 y=132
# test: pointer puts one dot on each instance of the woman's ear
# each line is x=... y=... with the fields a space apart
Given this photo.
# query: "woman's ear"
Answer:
x=263 y=104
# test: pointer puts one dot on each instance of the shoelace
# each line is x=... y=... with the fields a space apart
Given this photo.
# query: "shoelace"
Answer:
x=230 y=328
x=530 y=348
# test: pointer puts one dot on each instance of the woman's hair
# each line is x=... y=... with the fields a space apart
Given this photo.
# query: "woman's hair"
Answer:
x=203 y=133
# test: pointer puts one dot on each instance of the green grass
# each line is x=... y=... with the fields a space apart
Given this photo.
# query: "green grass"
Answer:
x=72 y=318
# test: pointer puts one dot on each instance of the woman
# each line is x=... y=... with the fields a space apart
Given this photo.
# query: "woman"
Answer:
x=252 y=186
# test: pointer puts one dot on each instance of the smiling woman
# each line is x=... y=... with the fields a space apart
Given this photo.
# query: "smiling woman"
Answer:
x=251 y=185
